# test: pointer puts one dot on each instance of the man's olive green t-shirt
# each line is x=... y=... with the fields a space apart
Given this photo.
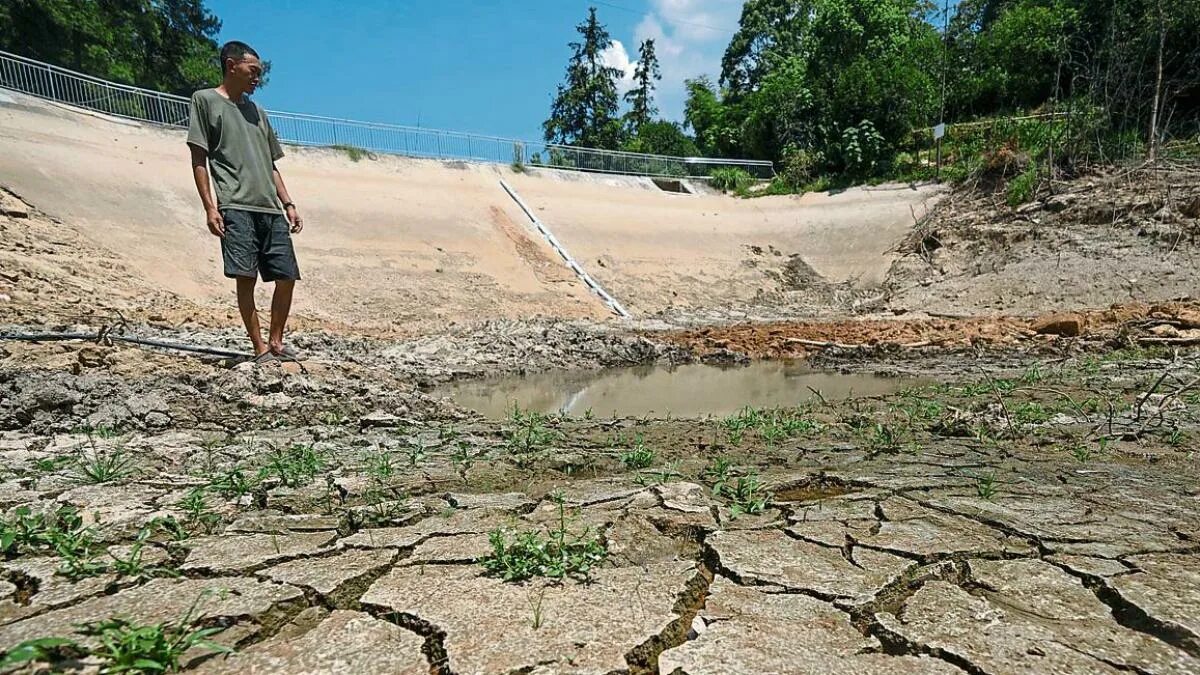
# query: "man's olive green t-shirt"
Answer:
x=241 y=147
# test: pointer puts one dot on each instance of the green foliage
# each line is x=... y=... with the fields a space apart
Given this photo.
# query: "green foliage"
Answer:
x=639 y=456
x=295 y=467
x=641 y=97
x=47 y=649
x=198 y=513
x=584 y=111
x=556 y=554
x=102 y=465
x=1023 y=188
x=26 y=531
x=661 y=138
x=527 y=431
x=127 y=647
x=355 y=153
x=731 y=179
x=985 y=486
x=167 y=45
x=747 y=494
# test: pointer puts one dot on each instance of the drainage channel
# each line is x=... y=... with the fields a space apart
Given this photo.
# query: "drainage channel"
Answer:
x=566 y=256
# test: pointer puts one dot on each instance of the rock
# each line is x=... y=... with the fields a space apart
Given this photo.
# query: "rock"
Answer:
x=52 y=590
x=335 y=577
x=458 y=522
x=459 y=548
x=542 y=626
x=919 y=531
x=1192 y=208
x=508 y=501
x=216 y=600
x=230 y=553
x=1065 y=325
x=742 y=630
x=1188 y=317
x=1060 y=203
x=157 y=420
x=141 y=405
x=345 y=642
x=378 y=418
x=274 y=521
x=1167 y=588
x=1033 y=618
x=773 y=558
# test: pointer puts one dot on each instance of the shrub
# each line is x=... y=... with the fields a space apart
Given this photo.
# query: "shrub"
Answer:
x=731 y=179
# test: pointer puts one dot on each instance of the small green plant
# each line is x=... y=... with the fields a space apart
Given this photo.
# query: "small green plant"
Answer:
x=535 y=605
x=555 y=554
x=380 y=465
x=1023 y=188
x=719 y=473
x=1081 y=451
x=234 y=483
x=1031 y=413
x=639 y=456
x=528 y=431
x=170 y=526
x=416 y=453
x=46 y=650
x=985 y=486
x=123 y=646
x=131 y=566
x=51 y=464
x=660 y=476
x=102 y=466
x=885 y=437
x=295 y=467
x=462 y=457
x=747 y=495
x=198 y=514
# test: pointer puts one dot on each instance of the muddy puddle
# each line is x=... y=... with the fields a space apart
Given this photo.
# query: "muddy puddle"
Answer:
x=656 y=391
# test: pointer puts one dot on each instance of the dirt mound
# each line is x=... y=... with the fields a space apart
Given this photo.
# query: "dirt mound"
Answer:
x=1163 y=323
x=1116 y=237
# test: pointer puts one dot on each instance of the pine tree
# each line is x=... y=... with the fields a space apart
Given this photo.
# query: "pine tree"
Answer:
x=584 y=111
x=641 y=98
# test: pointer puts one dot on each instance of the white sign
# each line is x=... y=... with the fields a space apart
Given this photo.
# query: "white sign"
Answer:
x=939 y=131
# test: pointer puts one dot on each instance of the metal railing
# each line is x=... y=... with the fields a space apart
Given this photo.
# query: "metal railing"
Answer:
x=58 y=84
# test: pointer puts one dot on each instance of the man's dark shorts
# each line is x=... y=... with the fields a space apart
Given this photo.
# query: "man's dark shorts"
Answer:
x=257 y=243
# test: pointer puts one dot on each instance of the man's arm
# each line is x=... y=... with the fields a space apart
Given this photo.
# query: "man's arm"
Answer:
x=293 y=215
x=216 y=224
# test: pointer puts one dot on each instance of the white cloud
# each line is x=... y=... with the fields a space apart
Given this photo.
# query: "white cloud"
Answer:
x=690 y=37
x=616 y=56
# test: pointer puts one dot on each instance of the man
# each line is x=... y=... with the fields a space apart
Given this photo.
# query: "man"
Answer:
x=230 y=135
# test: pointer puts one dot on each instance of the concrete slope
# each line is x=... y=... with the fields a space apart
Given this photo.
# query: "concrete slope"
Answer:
x=655 y=250
x=395 y=242
x=387 y=243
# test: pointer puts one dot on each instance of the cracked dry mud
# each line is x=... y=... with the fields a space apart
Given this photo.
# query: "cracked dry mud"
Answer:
x=1022 y=519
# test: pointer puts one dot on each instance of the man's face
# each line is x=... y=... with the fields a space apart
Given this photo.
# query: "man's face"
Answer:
x=247 y=72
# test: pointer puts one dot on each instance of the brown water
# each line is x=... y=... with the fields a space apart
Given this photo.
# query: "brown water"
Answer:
x=683 y=391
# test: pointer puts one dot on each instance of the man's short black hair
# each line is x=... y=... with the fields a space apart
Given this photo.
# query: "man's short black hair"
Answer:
x=237 y=51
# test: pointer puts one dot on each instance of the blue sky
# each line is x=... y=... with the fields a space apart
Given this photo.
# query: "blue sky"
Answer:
x=484 y=66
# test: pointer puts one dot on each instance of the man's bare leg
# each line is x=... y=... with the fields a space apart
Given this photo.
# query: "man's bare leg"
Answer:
x=245 y=296
x=281 y=306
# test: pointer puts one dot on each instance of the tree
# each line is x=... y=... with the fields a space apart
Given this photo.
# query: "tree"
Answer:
x=769 y=32
x=584 y=111
x=166 y=45
x=641 y=97
x=662 y=138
